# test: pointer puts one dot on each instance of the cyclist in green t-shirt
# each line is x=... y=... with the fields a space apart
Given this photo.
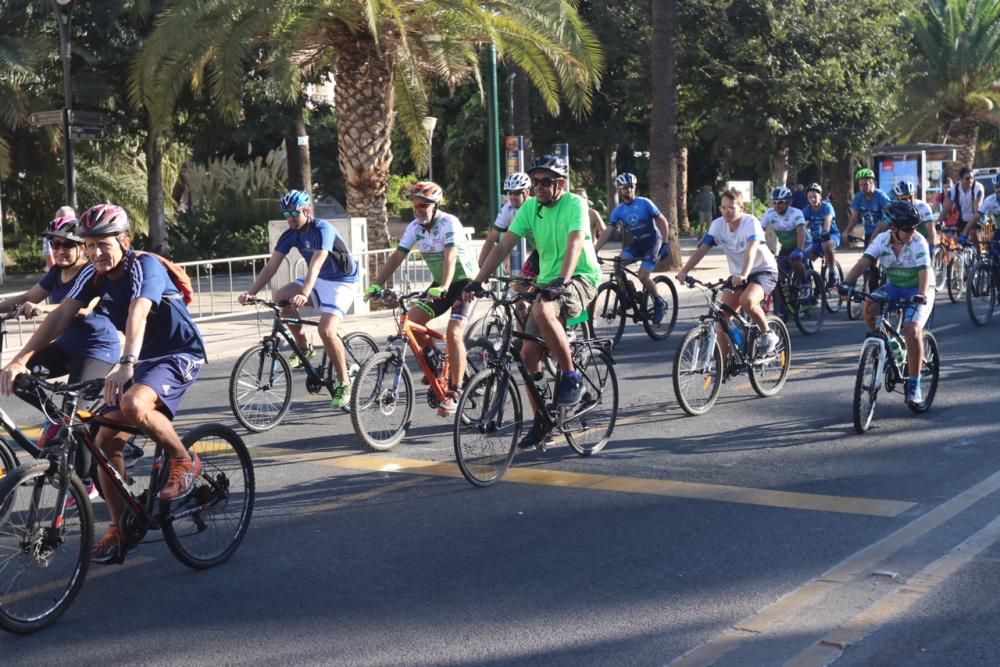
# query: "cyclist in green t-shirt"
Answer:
x=568 y=275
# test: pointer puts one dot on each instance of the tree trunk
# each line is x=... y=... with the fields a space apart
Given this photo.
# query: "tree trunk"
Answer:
x=610 y=174
x=841 y=193
x=966 y=136
x=779 y=167
x=683 y=196
x=158 y=239
x=297 y=149
x=663 y=141
x=365 y=114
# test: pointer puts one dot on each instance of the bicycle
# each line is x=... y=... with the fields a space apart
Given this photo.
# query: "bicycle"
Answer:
x=699 y=369
x=45 y=546
x=618 y=295
x=958 y=270
x=832 y=300
x=489 y=417
x=260 y=386
x=876 y=369
x=382 y=397
x=982 y=287
x=947 y=248
x=802 y=301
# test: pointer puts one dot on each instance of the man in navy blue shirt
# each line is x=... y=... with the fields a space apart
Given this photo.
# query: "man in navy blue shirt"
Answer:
x=161 y=357
x=330 y=282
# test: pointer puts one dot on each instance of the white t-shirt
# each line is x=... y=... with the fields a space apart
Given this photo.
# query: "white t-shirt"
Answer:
x=734 y=244
x=967 y=200
x=990 y=207
x=505 y=217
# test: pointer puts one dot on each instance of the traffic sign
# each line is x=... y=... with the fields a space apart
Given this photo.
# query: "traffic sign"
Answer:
x=40 y=118
x=77 y=133
x=87 y=117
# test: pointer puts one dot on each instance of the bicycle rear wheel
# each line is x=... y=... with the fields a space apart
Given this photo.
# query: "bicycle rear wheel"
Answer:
x=210 y=522
x=43 y=560
x=929 y=373
x=956 y=276
x=260 y=388
x=382 y=401
x=832 y=300
x=592 y=421
x=866 y=388
x=981 y=293
x=940 y=267
x=607 y=313
x=809 y=311
x=768 y=374
x=697 y=371
x=359 y=347
x=488 y=428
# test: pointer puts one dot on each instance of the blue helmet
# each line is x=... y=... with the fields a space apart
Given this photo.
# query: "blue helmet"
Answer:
x=626 y=179
x=294 y=200
x=781 y=193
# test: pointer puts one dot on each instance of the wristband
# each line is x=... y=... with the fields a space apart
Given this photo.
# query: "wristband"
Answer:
x=127 y=359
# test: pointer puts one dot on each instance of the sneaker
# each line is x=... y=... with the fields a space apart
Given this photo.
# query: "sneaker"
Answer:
x=449 y=406
x=767 y=344
x=110 y=549
x=341 y=395
x=295 y=361
x=659 y=310
x=91 y=493
x=181 y=480
x=570 y=388
x=537 y=436
x=913 y=393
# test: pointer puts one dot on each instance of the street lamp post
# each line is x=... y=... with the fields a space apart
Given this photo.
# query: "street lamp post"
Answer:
x=430 y=122
x=64 y=12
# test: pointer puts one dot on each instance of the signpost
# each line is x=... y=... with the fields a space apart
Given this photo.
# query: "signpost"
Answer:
x=83 y=133
x=41 y=118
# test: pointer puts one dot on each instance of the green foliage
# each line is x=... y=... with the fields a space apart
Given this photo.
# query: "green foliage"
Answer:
x=397 y=199
x=207 y=234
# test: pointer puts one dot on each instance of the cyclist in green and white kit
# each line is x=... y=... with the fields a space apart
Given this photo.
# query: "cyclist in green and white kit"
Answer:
x=790 y=227
x=440 y=238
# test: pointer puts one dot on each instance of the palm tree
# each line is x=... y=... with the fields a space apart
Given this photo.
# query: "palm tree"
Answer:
x=663 y=140
x=383 y=54
x=16 y=71
x=954 y=87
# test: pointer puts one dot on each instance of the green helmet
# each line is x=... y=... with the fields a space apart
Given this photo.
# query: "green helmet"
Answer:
x=864 y=173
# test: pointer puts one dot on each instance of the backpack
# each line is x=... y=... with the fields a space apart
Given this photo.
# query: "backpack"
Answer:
x=178 y=276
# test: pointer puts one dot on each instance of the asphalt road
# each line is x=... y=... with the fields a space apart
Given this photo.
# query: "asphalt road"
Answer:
x=765 y=532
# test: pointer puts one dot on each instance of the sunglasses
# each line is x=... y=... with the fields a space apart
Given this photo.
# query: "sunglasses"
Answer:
x=544 y=182
x=62 y=245
x=291 y=214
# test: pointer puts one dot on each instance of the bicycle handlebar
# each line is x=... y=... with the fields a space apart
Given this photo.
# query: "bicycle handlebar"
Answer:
x=858 y=296
x=716 y=286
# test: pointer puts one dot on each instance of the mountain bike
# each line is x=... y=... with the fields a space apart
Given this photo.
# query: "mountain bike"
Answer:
x=800 y=300
x=982 y=287
x=699 y=369
x=45 y=541
x=618 y=297
x=958 y=270
x=870 y=280
x=489 y=418
x=260 y=386
x=883 y=361
x=832 y=300
x=947 y=248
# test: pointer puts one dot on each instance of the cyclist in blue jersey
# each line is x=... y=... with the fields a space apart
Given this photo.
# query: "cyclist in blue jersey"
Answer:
x=869 y=205
x=821 y=221
x=330 y=282
x=161 y=357
x=649 y=229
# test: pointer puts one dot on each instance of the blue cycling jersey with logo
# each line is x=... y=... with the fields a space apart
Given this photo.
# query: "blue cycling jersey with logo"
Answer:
x=815 y=217
x=639 y=218
x=872 y=210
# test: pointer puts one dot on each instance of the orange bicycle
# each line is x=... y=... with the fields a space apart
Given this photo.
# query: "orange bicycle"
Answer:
x=382 y=397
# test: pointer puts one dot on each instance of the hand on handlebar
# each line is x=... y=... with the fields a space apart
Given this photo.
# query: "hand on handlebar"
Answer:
x=473 y=290
x=247 y=298
x=8 y=376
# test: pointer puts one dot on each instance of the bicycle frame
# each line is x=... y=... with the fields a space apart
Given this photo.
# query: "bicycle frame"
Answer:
x=717 y=311
x=408 y=331
x=281 y=327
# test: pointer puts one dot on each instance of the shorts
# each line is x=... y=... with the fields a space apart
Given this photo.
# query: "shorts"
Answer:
x=577 y=297
x=170 y=377
x=919 y=314
x=331 y=296
x=452 y=300
x=646 y=250
x=767 y=280
x=529 y=269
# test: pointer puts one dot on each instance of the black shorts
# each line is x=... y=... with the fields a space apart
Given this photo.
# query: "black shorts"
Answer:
x=452 y=300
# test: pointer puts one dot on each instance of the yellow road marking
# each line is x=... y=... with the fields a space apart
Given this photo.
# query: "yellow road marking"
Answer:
x=645 y=486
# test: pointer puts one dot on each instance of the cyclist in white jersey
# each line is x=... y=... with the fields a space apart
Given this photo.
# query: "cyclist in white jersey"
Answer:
x=989 y=208
x=968 y=196
x=790 y=227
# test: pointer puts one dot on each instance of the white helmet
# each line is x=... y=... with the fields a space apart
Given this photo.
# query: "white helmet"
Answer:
x=904 y=189
x=516 y=181
x=625 y=179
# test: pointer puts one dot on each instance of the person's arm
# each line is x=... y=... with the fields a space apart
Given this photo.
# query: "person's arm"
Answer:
x=265 y=275
x=309 y=282
x=827 y=223
x=49 y=329
x=748 y=257
x=859 y=268
x=946 y=208
x=35 y=294
x=597 y=222
x=664 y=226
x=800 y=233
x=603 y=238
x=502 y=249
x=135 y=332
x=925 y=283
x=89 y=308
x=392 y=262
x=448 y=267
x=491 y=240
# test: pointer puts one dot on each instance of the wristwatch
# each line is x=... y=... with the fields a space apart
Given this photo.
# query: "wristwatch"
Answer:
x=127 y=359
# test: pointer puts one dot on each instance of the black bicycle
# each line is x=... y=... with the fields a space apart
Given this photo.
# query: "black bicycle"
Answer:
x=699 y=369
x=982 y=288
x=489 y=417
x=46 y=540
x=260 y=386
x=800 y=299
x=832 y=300
x=618 y=297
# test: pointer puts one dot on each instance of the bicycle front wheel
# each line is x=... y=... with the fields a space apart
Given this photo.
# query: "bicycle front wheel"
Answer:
x=260 y=388
x=666 y=291
x=928 y=373
x=382 y=401
x=832 y=300
x=592 y=421
x=809 y=311
x=206 y=527
x=44 y=550
x=607 y=313
x=866 y=388
x=981 y=293
x=956 y=276
x=697 y=371
x=488 y=427
x=940 y=267
x=856 y=308
x=768 y=373
x=8 y=460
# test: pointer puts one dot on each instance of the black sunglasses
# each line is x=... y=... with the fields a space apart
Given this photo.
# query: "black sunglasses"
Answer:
x=62 y=245
x=544 y=182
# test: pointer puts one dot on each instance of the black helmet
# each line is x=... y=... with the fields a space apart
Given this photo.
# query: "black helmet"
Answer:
x=552 y=163
x=903 y=214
